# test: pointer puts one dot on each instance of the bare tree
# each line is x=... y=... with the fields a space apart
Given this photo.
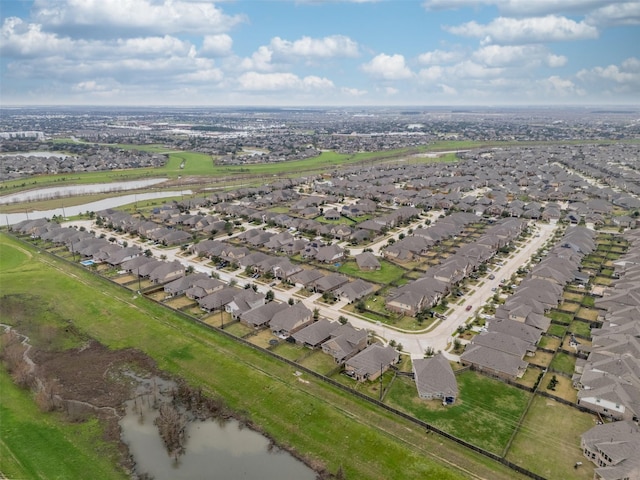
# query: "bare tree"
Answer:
x=45 y=398
x=171 y=424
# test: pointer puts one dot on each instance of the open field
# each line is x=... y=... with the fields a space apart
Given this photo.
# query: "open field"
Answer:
x=43 y=446
x=336 y=427
x=485 y=413
x=387 y=274
x=548 y=441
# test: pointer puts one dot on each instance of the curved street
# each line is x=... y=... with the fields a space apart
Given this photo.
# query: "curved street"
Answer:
x=438 y=336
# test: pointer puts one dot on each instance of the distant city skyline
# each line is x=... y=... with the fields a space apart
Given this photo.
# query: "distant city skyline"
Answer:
x=320 y=52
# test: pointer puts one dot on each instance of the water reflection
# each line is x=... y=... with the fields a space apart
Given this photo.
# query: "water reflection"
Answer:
x=113 y=202
x=218 y=450
x=72 y=190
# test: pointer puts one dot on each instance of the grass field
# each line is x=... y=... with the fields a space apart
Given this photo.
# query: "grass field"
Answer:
x=485 y=413
x=388 y=272
x=324 y=424
x=38 y=445
x=548 y=442
x=563 y=363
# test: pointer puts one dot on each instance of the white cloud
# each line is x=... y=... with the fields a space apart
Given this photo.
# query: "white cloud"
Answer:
x=618 y=13
x=388 y=67
x=528 y=56
x=255 y=81
x=558 y=87
x=134 y=16
x=279 y=52
x=448 y=90
x=260 y=60
x=391 y=91
x=521 y=7
x=528 y=30
x=437 y=57
x=353 y=92
x=148 y=46
x=501 y=55
x=20 y=39
x=474 y=70
x=309 y=48
x=431 y=74
x=216 y=45
x=623 y=78
x=89 y=86
x=208 y=75
x=555 y=61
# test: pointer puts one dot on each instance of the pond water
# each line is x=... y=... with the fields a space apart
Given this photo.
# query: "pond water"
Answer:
x=213 y=450
x=113 y=202
x=71 y=190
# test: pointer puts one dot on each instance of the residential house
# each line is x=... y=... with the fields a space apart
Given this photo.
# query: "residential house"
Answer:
x=355 y=290
x=367 y=261
x=180 y=285
x=345 y=342
x=243 y=301
x=434 y=378
x=203 y=287
x=615 y=449
x=261 y=316
x=285 y=269
x=493 y=362
x=167 y=272
x=124 y=254
x=330 y=282
x=312 y=336
x=329 y=253
x=371 y=362
x=306 y=278
x=290 y=320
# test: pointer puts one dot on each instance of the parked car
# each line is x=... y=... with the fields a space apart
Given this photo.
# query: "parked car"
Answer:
x=469 y=307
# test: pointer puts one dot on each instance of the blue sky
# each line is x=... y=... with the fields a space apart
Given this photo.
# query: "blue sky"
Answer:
x=320 y=52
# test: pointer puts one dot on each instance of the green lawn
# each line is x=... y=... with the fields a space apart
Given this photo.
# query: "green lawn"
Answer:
x=388 y=272
x=563 y=363
x=557 y=330
x=548 y=442
x=38 y=445
x=485 y=413
x=561 y=317
x=248 y=380
x=581 y=328
x=550 y=343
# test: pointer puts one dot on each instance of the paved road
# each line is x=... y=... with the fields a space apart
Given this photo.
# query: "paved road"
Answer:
x=414 y=343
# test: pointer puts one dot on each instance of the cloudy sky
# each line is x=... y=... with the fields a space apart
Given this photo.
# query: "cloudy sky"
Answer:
x=319 y=52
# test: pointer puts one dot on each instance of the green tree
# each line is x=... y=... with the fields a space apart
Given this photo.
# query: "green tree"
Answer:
x=269 y=296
